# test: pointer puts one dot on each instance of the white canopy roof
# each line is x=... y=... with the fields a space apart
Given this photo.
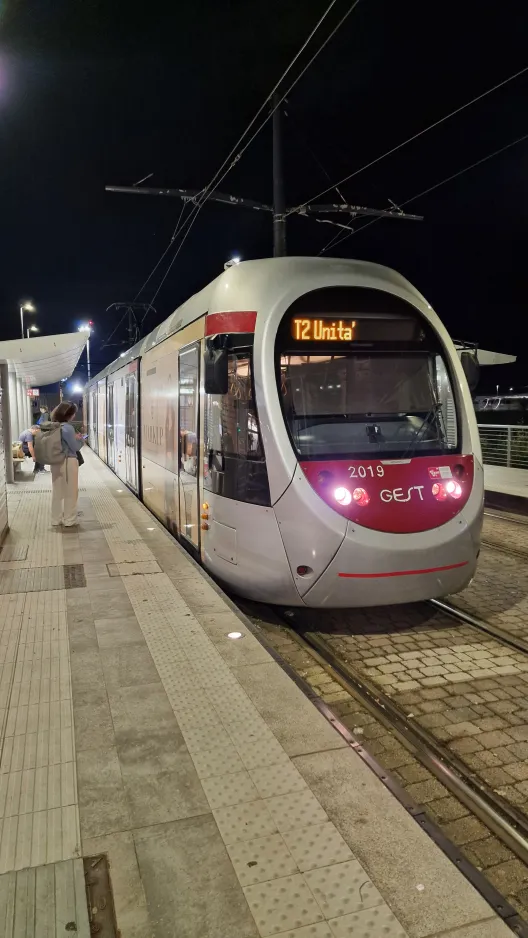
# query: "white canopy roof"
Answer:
x=494 y=358
x=489 y=358
x=43 y=360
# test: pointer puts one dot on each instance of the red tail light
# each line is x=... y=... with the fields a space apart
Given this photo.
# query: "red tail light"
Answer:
x=439 y=492
x=361 y=497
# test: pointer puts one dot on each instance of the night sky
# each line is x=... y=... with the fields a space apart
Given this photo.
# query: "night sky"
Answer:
x=95 y=93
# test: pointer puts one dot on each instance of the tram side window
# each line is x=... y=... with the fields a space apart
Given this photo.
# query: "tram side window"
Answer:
x=234 y=463
x=446 y=401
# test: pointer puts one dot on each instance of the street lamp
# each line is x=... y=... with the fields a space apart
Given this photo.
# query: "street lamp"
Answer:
x=29 y=308
x=32 y=329
x=87 y=327
x=232 y=262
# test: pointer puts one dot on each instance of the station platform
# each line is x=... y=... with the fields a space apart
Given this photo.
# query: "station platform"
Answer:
x=135 y=725
x=506 y=488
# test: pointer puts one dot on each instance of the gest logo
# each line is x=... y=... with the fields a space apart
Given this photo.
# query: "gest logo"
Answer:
x=398 y=495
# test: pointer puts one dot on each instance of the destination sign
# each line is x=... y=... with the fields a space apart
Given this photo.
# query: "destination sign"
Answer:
x=323 y=330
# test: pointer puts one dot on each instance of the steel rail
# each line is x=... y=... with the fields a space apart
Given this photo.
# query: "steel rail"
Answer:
x=509 y=825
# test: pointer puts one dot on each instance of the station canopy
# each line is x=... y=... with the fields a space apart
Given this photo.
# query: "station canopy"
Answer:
x=495 y=358
x=43 y=360
x=488 y=358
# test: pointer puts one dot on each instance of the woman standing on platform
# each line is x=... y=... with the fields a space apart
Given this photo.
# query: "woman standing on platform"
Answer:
x=65 y=475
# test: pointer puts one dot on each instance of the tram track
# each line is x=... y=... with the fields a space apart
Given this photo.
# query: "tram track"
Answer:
x=510 y=825
x=511 y=551
x=502 y=516
x=480 y=624
x=505 y=519
x=503 y=820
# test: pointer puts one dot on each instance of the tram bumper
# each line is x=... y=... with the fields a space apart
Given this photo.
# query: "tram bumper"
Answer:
x=369 y=572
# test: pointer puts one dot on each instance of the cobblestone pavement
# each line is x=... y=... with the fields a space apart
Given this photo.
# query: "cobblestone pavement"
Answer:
x=469 y=692
x=500 y=866
x=499 y=592
x=506 y=534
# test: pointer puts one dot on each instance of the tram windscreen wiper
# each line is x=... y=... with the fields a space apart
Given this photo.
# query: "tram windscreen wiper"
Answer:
x=436 y=413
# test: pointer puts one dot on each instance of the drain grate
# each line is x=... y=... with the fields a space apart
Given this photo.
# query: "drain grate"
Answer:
x=99 y=897
x=74 y=576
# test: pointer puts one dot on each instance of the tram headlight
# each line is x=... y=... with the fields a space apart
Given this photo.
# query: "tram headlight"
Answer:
x=442 y=490
x=454 y=489
x=361 y=497
x=342 y=495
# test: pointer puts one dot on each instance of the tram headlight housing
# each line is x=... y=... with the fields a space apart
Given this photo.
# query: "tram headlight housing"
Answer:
x=441 y=490
x=342 y=495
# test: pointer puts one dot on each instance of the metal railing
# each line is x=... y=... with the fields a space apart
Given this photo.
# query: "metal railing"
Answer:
x=504 y=445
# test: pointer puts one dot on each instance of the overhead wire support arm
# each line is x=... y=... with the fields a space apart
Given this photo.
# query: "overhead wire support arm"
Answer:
x=354 y=210
x=192 y=195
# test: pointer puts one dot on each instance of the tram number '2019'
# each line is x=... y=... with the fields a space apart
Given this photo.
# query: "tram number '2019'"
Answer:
x=363 y=471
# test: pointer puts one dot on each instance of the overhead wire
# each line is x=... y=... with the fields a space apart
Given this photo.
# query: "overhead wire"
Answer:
x=314 y=156
x=219 y=176
x=215 y=180
x=404 y=143
x=337 y=239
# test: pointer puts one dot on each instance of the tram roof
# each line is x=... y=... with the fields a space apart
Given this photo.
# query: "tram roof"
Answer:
x=198 y=305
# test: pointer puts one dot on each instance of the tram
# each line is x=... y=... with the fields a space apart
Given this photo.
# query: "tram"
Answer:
x=304 y=426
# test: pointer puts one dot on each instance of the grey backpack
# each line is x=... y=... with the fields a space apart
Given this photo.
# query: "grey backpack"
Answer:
x=48 y=445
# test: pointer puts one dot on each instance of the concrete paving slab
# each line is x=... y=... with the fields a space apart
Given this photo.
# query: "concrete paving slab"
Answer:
x=191 y=887
x=103 y=805
x=291 y=717
x=159 y=777
x=121 y=631
x=128 y=665
x=93 y=727
x=143 y=707
x=398 y=856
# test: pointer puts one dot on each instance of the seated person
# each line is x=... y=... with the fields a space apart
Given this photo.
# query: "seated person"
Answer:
x=27 y=438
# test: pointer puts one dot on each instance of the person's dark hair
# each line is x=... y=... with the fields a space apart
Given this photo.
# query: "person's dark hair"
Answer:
x=64 y=412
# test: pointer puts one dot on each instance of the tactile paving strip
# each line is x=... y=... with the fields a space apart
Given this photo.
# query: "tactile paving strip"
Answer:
x=316 y=846
x=343 y=888
x=296 y=810
x=223 y=790
x=50 y=900
x=33 y=579
x=13 y=552
x=244 y=821
x=283 y=903
x=262 y=859
x=373 y=923
x=244 y=761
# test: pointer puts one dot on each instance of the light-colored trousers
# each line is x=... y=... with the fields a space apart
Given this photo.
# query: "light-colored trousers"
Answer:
x=65 y=492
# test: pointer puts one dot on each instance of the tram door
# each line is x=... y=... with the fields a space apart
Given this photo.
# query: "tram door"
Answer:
x=111 y=426
x=131 y=431
x=189 y=407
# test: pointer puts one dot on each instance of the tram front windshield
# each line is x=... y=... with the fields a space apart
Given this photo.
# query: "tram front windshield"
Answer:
x=361 y=404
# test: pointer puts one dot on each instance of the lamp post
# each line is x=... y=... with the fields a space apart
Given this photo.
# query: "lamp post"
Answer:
x=32 y=329
x=29 y=308
x=87 y=327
